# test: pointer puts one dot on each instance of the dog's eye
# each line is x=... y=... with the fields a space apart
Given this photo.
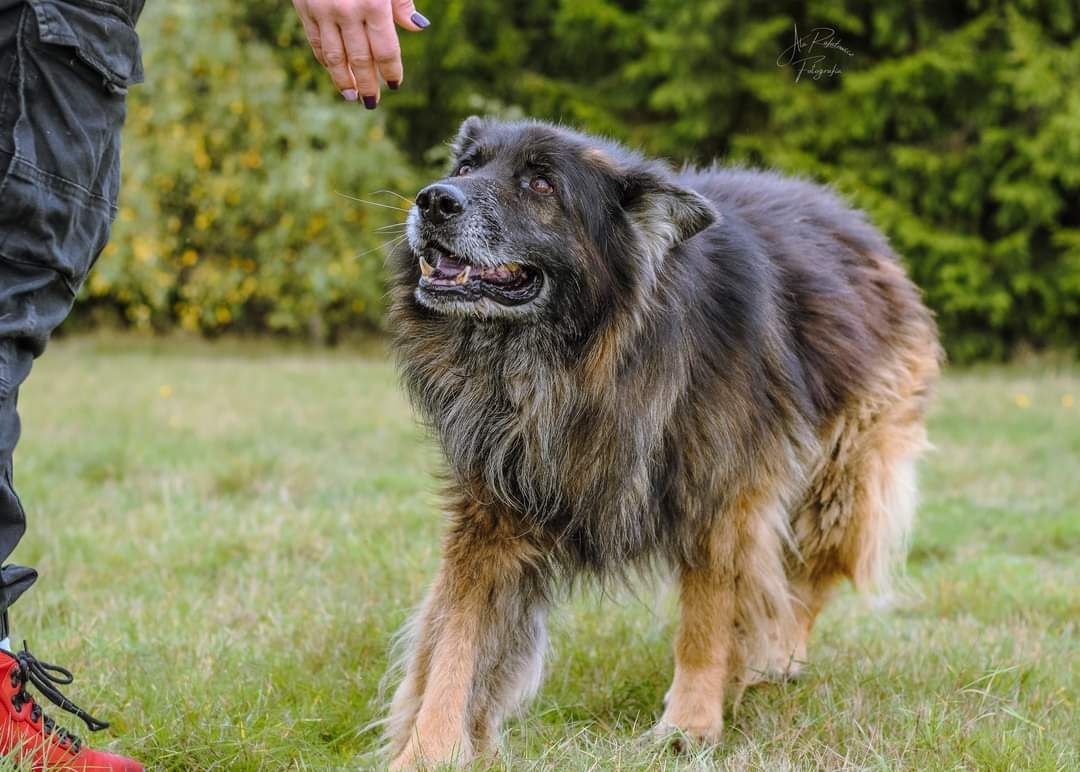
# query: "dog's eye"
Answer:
x=541 y=185
x=463 y=170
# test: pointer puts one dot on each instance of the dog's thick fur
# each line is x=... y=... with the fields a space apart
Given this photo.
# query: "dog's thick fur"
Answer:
x=725 y=372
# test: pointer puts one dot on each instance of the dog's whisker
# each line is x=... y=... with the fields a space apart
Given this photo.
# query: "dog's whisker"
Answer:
x=385 y=245
x=392 y=193
x=369 y=203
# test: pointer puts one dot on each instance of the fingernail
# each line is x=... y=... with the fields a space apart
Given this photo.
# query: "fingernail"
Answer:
x=420 y=20
x=349 y=94
x=393 y=84
x=370 y=102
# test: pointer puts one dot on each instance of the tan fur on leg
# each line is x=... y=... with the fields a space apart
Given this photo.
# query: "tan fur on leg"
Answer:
x=734 y=602
x=479 y=628
x=703 y=653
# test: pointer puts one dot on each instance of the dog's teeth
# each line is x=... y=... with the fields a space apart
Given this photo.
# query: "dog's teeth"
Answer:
x=462 y=277
x=513 y=266
x=426 y=268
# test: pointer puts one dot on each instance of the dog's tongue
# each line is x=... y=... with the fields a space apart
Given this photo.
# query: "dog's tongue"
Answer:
x=447 y=265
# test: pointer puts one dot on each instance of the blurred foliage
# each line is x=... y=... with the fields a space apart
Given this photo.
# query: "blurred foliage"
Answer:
x=956 y=125
x=236 y=210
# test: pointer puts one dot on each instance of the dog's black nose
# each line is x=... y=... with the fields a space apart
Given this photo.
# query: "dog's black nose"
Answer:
x=440 y=202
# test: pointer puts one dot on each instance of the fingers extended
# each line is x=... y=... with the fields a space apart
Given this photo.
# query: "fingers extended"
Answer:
x=360 y=61
x=336 y=60
x=383 y=39
x=406 y=15
x=311 y=30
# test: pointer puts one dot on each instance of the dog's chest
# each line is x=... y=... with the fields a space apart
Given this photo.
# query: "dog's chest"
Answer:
x=528 y=434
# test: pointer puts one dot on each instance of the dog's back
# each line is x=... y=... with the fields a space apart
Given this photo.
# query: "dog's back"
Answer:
x=832 y=278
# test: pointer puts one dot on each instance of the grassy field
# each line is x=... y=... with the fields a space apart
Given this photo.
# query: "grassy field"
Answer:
x=228 y=536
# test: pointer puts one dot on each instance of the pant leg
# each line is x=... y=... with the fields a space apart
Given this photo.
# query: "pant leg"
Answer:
x=31 y=300
x=65 y=66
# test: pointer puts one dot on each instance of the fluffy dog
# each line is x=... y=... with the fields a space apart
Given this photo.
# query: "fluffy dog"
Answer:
x=721 y=371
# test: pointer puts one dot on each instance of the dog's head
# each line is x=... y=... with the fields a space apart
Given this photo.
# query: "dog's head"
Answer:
x=535 y=222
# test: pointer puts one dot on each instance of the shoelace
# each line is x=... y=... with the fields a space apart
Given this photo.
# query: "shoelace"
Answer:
x=45 y=677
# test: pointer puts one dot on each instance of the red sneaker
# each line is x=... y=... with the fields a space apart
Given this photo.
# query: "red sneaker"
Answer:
x=28 y=736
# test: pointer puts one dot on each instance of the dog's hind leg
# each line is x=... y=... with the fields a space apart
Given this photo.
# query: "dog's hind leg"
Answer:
x=861 y=505
x=476 y=645
x=788 y=653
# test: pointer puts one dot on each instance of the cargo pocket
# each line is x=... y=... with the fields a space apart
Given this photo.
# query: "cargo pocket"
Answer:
x=73 y=65
x=101 y=39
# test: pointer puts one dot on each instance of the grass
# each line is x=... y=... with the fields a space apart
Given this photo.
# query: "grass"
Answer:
x=228 y=536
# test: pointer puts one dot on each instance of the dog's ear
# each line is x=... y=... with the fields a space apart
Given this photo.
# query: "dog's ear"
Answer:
x=664 y=210
x=468 y=134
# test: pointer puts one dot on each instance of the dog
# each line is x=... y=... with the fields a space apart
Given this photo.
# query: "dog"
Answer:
x=721 y=372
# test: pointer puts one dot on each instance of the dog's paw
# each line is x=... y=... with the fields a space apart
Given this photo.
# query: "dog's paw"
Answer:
x=684 y=735
x=432 y=755
x=776 y=673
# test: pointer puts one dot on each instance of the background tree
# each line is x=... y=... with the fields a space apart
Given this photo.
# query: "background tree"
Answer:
x=953 y=124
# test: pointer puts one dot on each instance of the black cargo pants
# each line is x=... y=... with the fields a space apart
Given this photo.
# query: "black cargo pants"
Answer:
x=65 y=66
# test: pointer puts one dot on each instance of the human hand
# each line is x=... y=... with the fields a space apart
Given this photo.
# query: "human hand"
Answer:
x=356 y=42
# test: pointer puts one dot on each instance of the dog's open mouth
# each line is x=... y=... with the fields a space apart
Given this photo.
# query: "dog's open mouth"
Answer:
x=443 y=274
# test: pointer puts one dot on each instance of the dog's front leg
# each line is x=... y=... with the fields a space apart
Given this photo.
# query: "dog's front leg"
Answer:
x=704 y=654
x=735 y=599
x=476 y=644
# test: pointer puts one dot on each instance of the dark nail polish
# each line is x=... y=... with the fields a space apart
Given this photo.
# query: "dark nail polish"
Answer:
x=393 y=84
x=420 y=20
x=370 y=102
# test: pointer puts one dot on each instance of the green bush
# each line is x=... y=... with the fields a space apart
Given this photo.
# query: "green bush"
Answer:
x=955 y=125
x=235 y=210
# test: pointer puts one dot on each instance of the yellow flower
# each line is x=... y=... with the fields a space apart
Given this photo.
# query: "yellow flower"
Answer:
x=189 y=318
x=142 y=248
x=98 y=284
x=165 y=390
x=315 y=225
x=200 y=156
x=1022 y=400
x=1066 y=400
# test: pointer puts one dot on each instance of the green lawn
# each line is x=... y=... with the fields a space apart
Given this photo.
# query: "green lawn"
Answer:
x=228 y=536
